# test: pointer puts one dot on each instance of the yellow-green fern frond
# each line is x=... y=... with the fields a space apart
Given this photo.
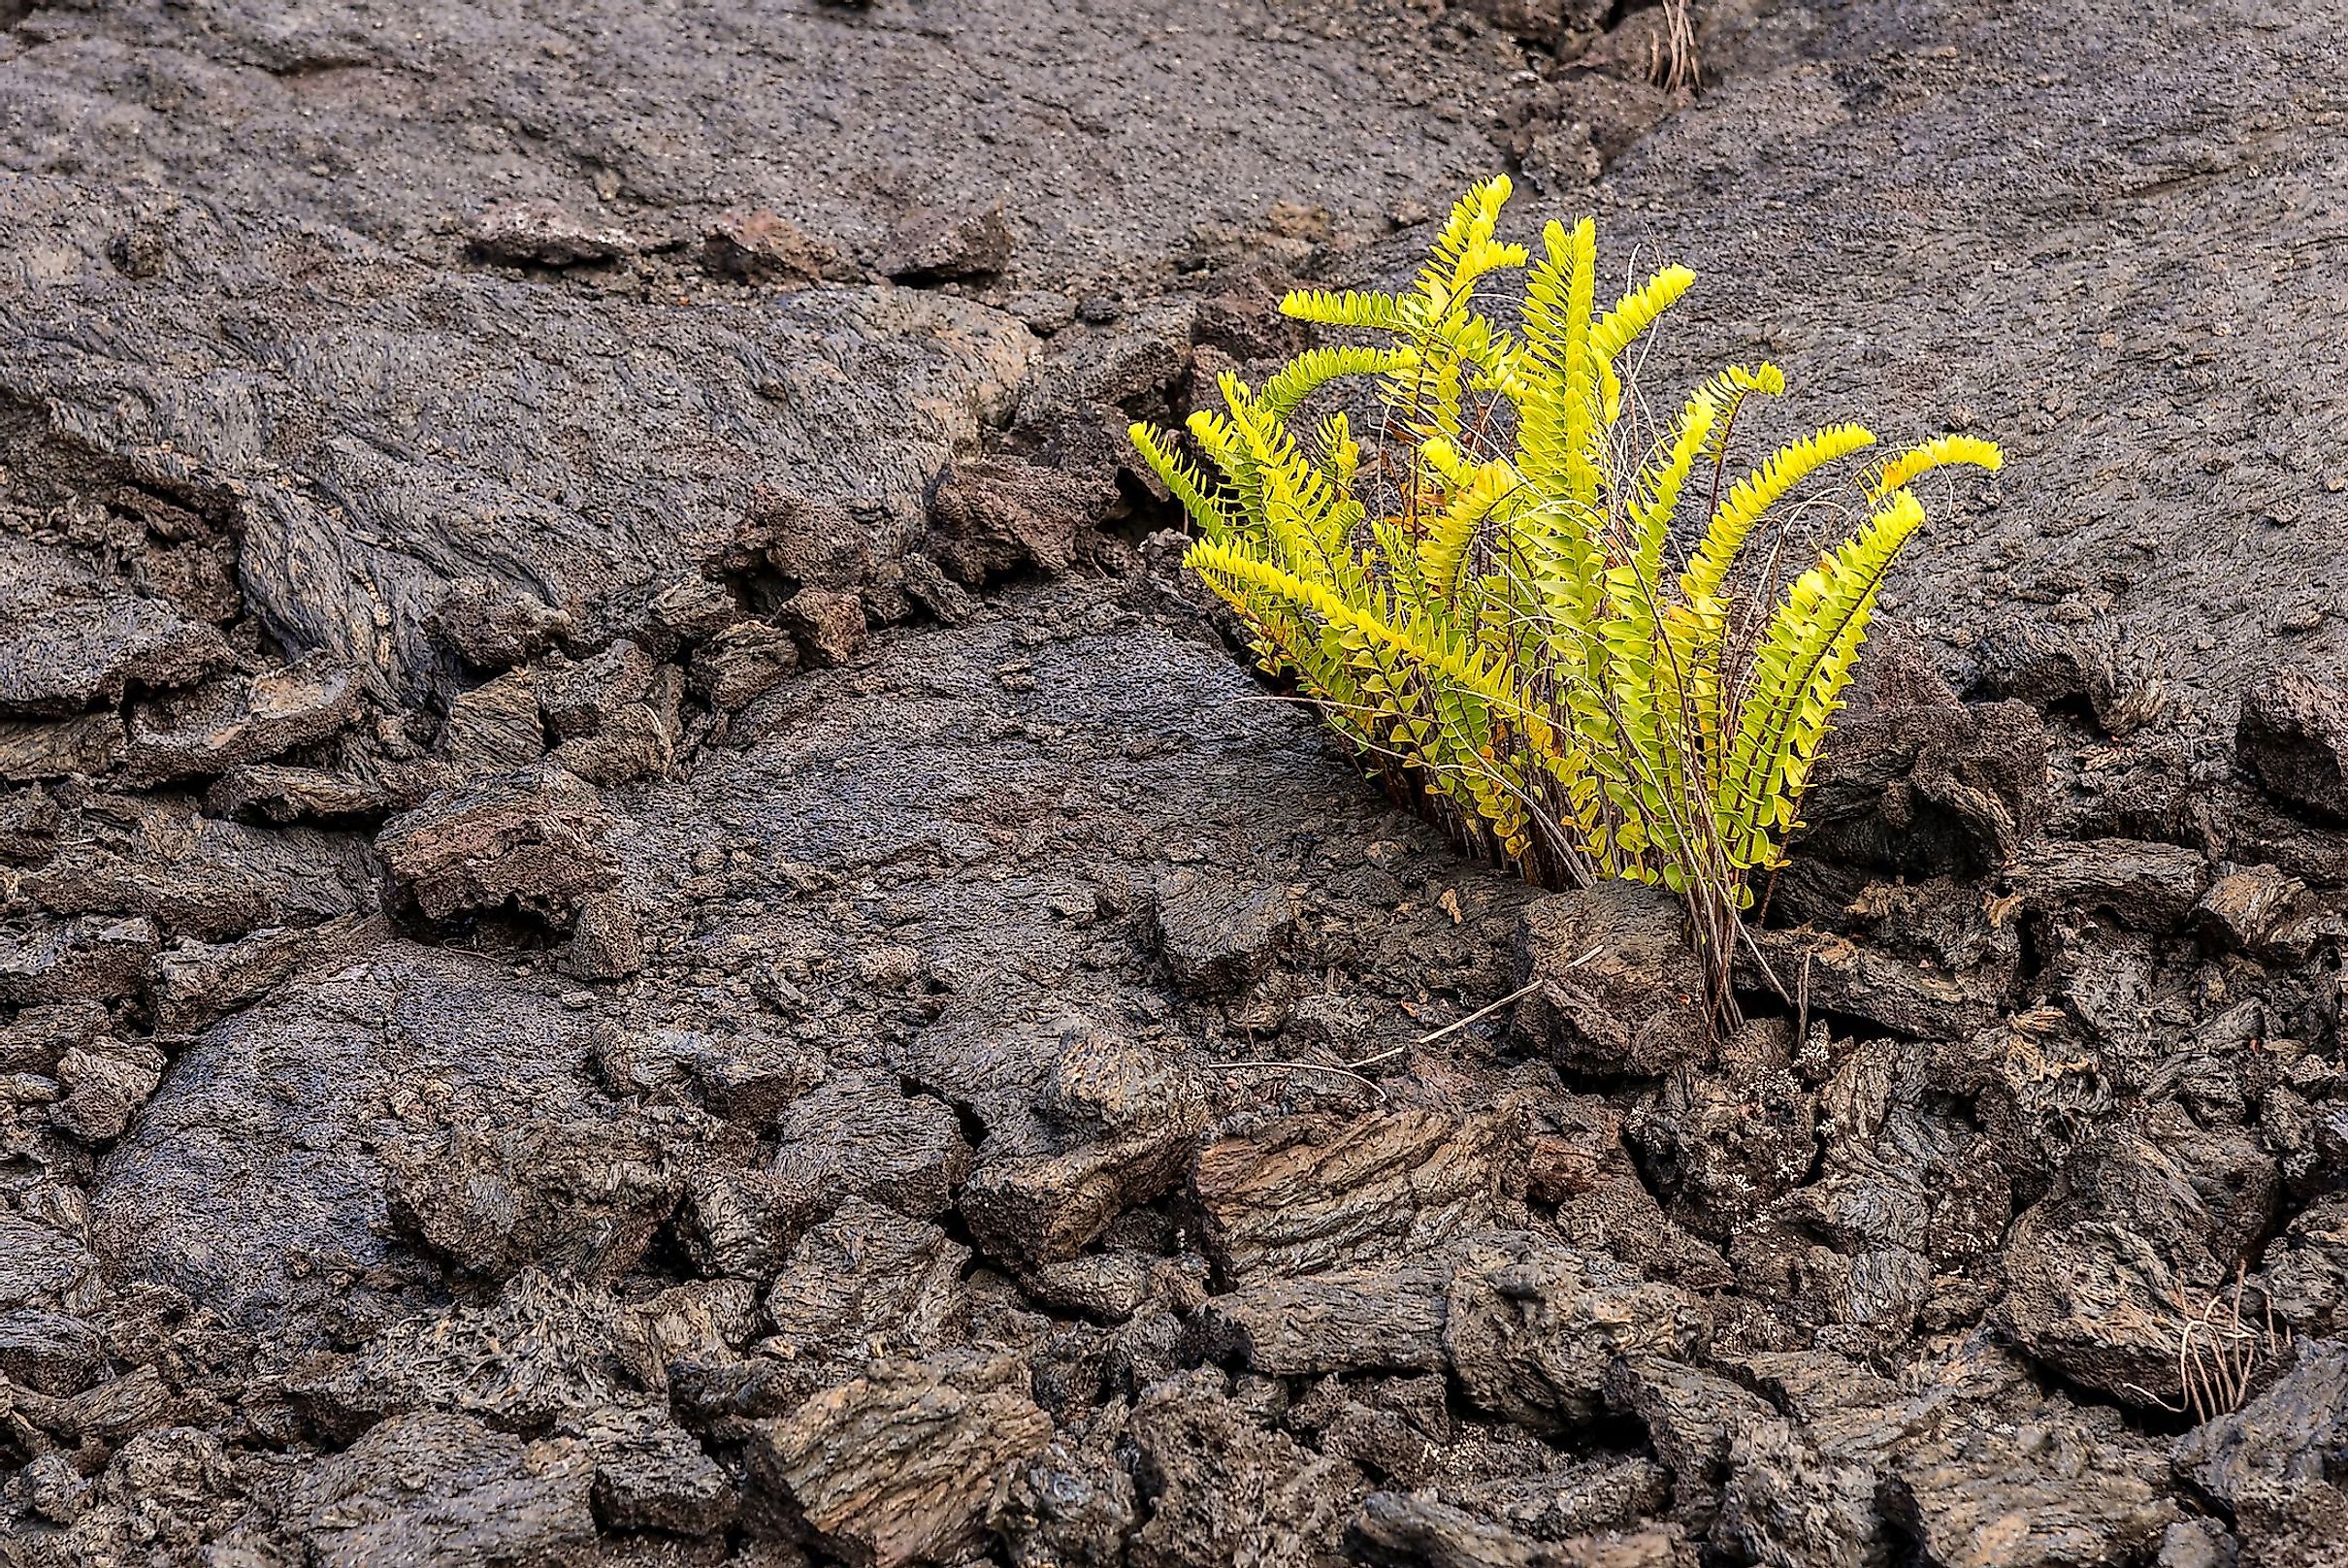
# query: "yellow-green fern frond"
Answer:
x=1756 y=492
x=1941 y=451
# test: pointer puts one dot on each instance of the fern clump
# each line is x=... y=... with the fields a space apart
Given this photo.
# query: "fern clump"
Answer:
x=1530 y=597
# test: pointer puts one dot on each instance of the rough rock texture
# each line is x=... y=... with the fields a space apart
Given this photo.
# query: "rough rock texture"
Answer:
x=899 y=1466
x=642 y=922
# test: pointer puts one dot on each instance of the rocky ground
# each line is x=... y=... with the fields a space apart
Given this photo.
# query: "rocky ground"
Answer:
x=641 y=921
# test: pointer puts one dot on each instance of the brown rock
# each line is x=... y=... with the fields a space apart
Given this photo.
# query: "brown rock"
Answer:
x=1313 y=1192
x=936 y=243
x=991 y=518
x=828 y=626
x=900 y=1467
x=1619 y=989
x=92 y=744
x=741 y=661
x=758 y=247
x=536 y=839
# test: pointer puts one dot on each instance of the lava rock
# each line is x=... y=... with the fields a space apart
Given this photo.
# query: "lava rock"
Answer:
x=1618 y=990
x=990 y=519
x=1533 y=1327
x=938 y=244
x=1217 y=934
x=1384 y=1318
x=545 y=1347
x=214 y=727
x=88 y=959
x=758 y=246
x=542 y=234
x=2243 y=906
x=1310 y=1194
x=858 y=1134
x=93 y=745
x=900 y=1465
x=534 y=838
x=868 y=1282
x=493 y=727
x=2294 y=1432
x=2064 y=1489
x=741 y=661
x=436 y=1488
x=578 y=697
x=1220 y=1489
x=493 y=625
x=1920 y=784
x=2152 y=887
x=2293 y=737
x=71 y=640
x=650 y=1474
x=828 y=627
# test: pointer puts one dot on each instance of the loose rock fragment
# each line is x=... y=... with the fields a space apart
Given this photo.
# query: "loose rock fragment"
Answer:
x=214 y=727
x=900 y=1467
x=990 y=519
x=1218 y=935
x=741 y=661
x=868 y=1282
x=492 y=626
x=1618 y=988
x=939 y=244
x=2293 y=737
x=436 y=1488
x=536 y=233
x=2066 y=1488
x=1312 y=1194
x=536 y=838
x=2152 y=887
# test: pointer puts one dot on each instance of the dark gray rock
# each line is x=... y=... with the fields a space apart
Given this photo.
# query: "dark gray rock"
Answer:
x=868 y=1282
x=1533 y=1327
x=440 y=1487
x=650 y=1474
x=1387 y=1318
x=859 y=1135
x=535 y=840
x=1619 y=990
x=991 y=518
x=70 y=639
x=1412 y=1530
x=1693 y=1420
x=197 y=876
x=2294 y=1431
x=1217 y=936
x=493 y=625
x=2151 y=887
x=49 y=1352
x=1218 y=1487
x=2293 y=737
x=493 y=727
x=741 y=661
x=900 y=1465
x=92 y=959
x=544 y=1349
x=58 y=748
x=215 y=728
x=2065 y=1487
x=1071 y=1506
x=1315 y=1194
x=253 y=1181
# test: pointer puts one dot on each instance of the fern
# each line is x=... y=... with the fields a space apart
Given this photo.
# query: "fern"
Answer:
x=1492 y=609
